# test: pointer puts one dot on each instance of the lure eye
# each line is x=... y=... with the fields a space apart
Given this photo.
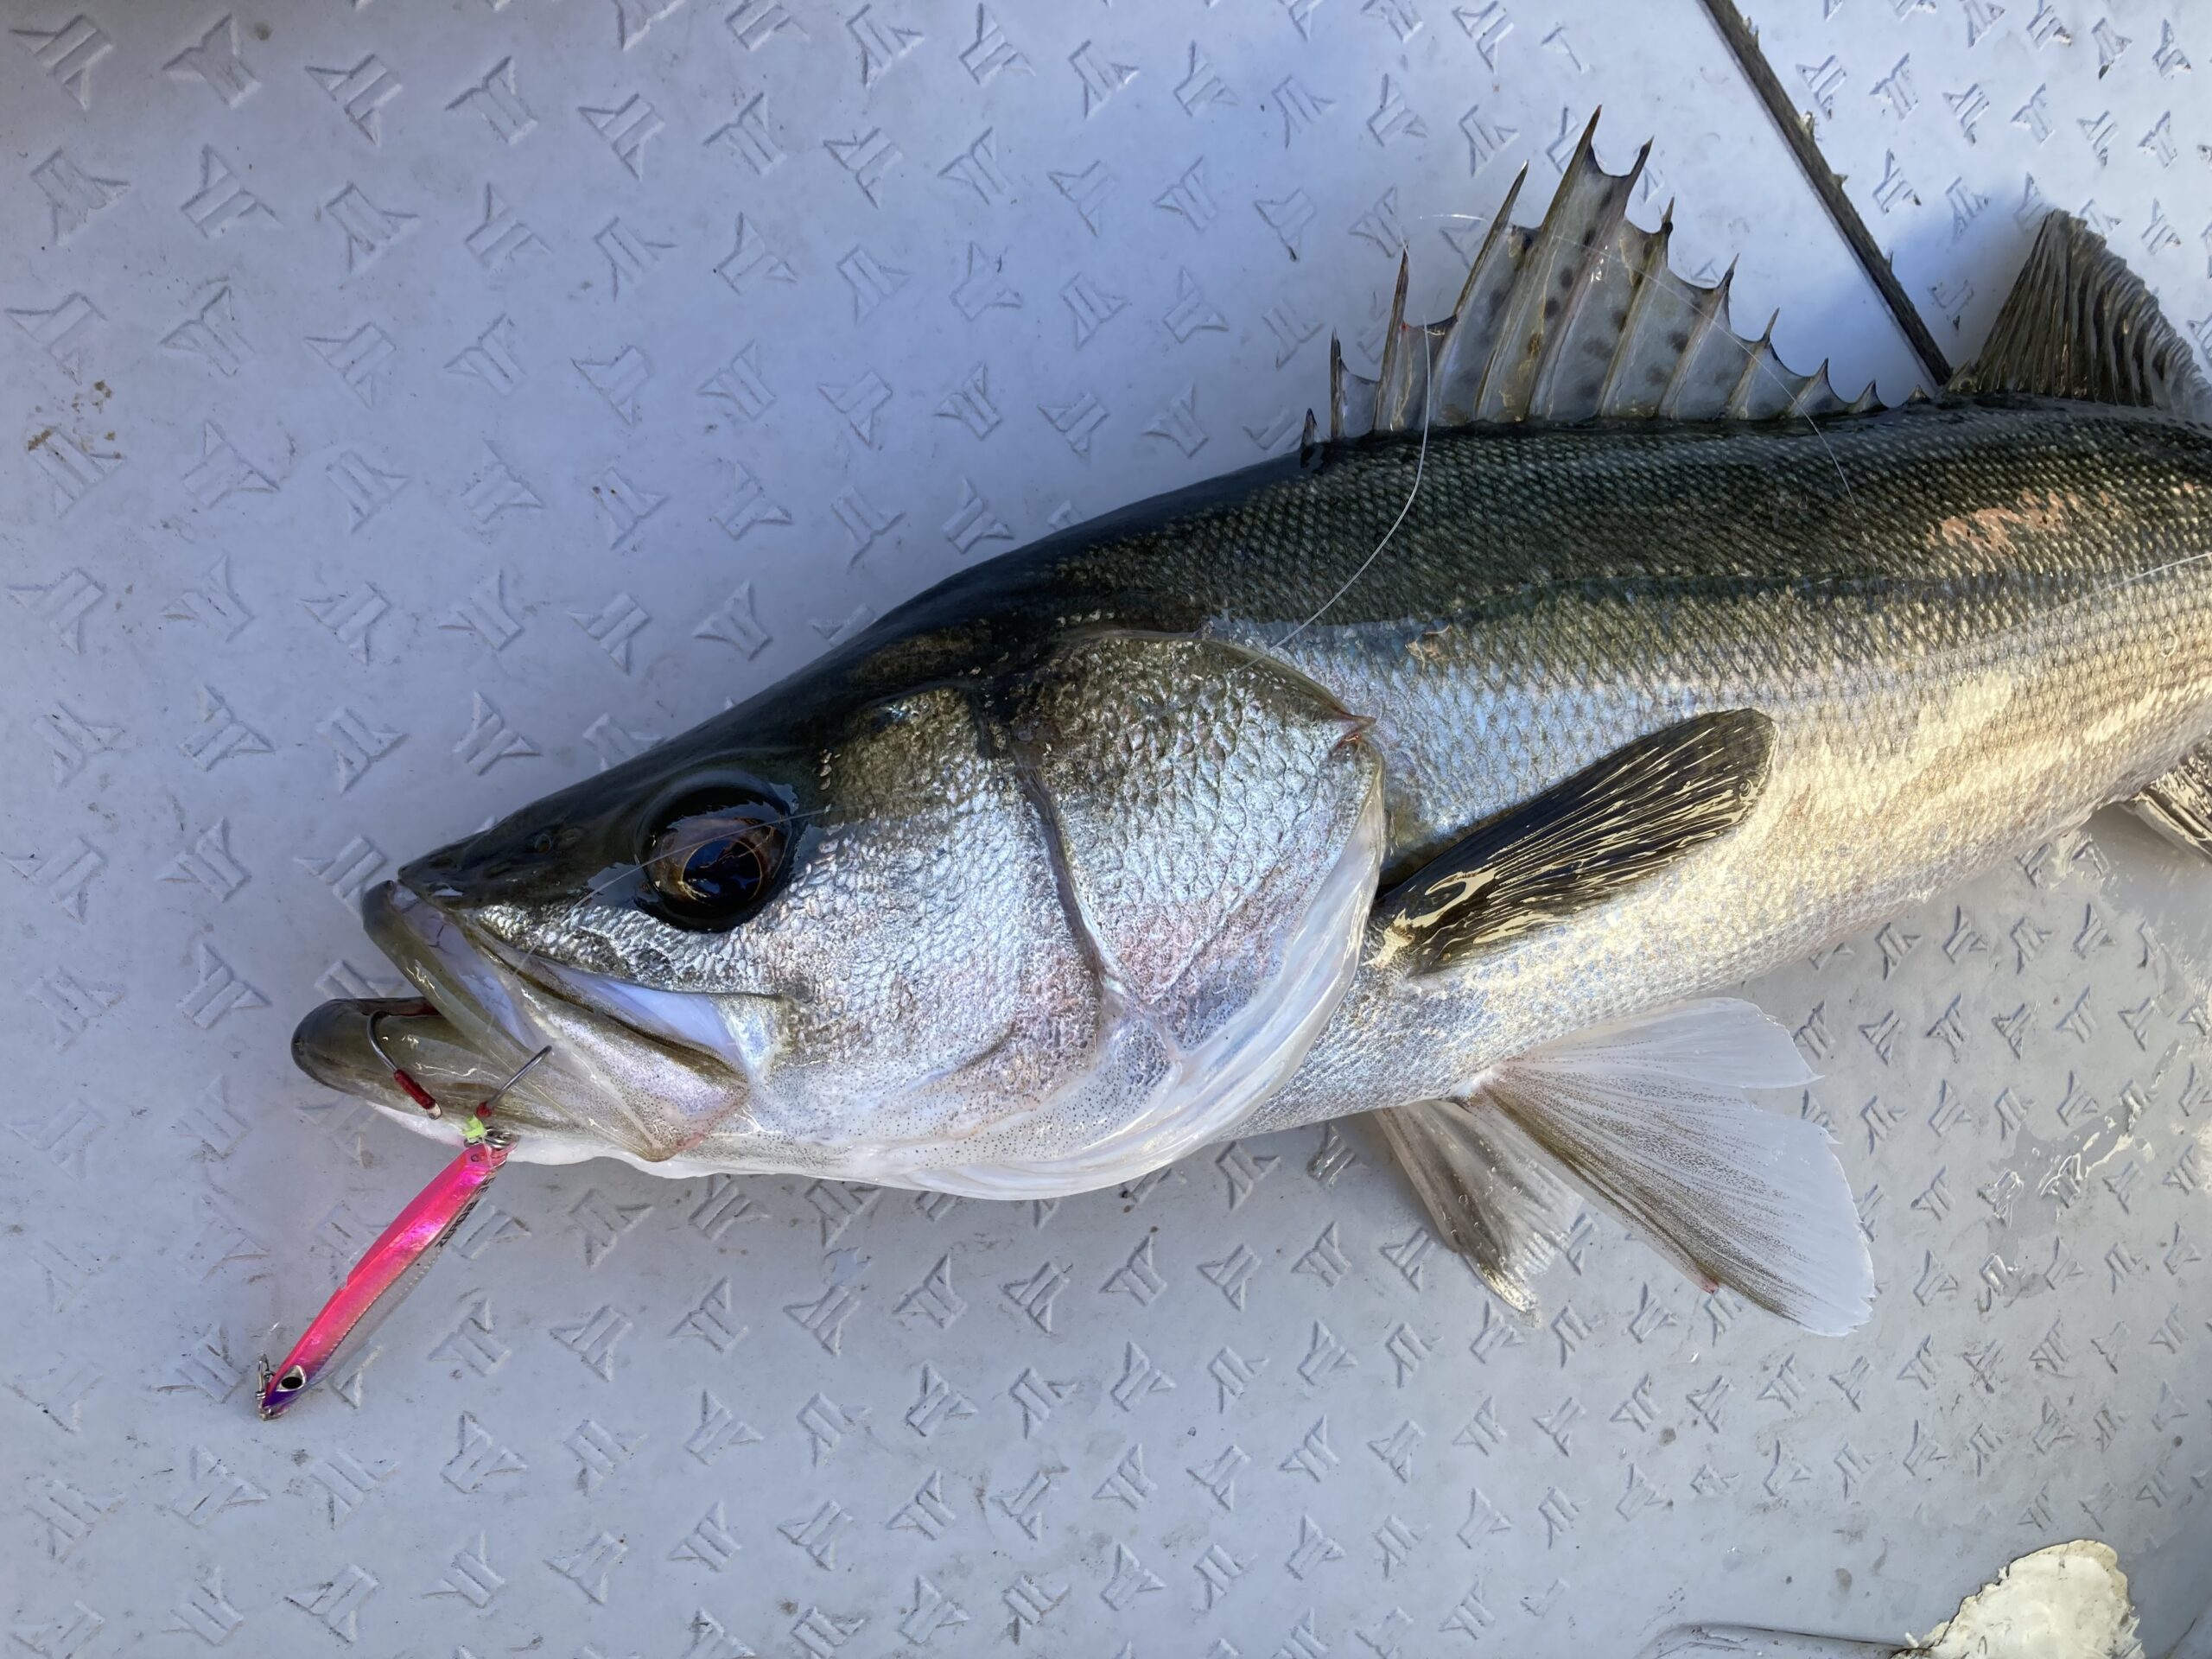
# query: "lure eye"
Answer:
x=714 y=858
x=294 y=1379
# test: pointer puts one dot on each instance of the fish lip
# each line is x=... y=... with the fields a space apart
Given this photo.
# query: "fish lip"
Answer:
x=394 y=914
x=398 y=913
x=421 y=921
x=608 y=1085
x=331 y=1042
x=469 y=982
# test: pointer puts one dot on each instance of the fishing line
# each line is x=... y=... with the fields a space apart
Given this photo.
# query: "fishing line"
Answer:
x=623 y=872
x=1421 y=462
x=1428 y=408
x=2155 y=570
x=1668 y=292
x=1676 y=296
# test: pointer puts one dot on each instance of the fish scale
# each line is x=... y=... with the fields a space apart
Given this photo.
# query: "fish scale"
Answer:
x=2066 y=628
x=1532 y=567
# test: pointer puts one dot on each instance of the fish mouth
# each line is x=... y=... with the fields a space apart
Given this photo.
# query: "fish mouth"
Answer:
x=450 y=1038
x=333 y=1046
x=481 y=1013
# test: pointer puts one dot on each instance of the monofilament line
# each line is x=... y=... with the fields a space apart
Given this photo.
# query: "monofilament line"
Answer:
x=1421 y=462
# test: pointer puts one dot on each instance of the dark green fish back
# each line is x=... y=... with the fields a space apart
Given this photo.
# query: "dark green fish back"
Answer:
x=1954 y=506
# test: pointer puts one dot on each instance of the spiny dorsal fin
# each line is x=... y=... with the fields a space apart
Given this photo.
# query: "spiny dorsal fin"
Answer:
x=1610 y=825
x=1579 y=317
x=2078 y=323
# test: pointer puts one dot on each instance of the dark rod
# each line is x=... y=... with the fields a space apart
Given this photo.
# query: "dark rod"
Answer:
x=1796 y=131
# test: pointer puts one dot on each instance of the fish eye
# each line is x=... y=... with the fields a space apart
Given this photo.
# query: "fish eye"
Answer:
x=714 y=858
x=293 y=1380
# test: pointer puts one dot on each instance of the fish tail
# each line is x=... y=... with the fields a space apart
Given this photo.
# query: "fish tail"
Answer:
x=1648 y=1118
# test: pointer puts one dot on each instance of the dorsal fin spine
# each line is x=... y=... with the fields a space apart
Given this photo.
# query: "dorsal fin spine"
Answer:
x=1336 y=388
x=1499 y=220
x=1499 y=249
x=1651 y=273
x=1519 y=319
x=1391 y=344
x=1623 y=336
x=1739 y=395
x=1555 y=361
x=1712 y=311
x=1395 y=367
x=1816 y=390
x=1757 y=365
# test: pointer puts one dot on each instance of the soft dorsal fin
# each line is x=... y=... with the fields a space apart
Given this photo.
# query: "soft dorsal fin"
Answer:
x=1579 y=317
x=1613 y=823
x=2078 y=323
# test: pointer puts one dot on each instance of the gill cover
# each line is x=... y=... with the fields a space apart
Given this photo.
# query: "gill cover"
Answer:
x=1217 y=834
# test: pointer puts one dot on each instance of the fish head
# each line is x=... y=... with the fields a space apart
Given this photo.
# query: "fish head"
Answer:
x=1059 y=919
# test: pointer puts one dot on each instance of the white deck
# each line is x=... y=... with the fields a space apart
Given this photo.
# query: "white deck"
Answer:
x=418 y=406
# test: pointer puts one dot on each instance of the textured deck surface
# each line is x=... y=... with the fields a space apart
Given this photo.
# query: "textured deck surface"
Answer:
x=417 y=406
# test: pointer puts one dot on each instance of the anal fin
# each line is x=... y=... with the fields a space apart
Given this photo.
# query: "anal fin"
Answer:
x=1649 y=1118
x=2178 y=804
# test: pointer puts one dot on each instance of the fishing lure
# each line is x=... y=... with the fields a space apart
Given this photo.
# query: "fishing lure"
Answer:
x=403 y=1251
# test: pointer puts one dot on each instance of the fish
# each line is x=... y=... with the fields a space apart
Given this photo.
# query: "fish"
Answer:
x=1448 y=774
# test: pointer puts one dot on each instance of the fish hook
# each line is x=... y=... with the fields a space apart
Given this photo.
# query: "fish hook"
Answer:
x=416 y=1092
x=478 y=1126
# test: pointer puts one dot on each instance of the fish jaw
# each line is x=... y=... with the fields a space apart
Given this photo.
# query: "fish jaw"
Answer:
x=606 y=1089
x=332 y=1044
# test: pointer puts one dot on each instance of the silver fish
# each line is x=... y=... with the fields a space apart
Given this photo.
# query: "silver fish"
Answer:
x=1592 y=664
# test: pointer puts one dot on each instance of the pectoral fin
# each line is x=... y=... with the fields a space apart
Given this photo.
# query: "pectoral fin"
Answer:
x=2179 y=804
x=1612 y=824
